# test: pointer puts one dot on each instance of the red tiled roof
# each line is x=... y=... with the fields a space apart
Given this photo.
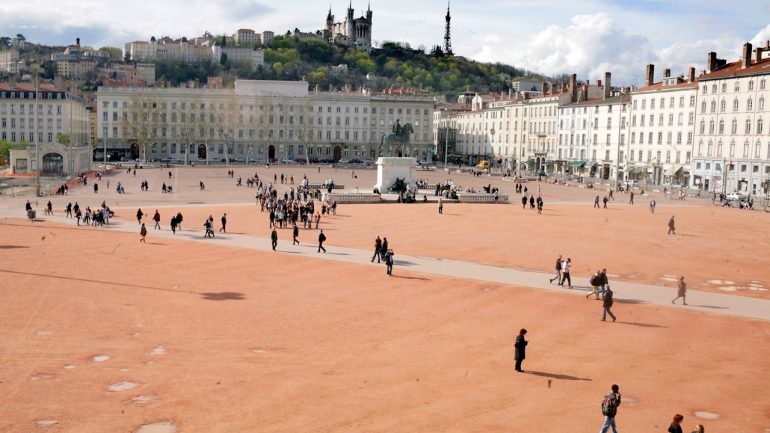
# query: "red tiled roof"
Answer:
x=660 y=86
x=29 y=87
x=736 y=69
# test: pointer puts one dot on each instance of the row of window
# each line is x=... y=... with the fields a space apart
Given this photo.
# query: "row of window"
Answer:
x=22 y=124
x=736 y=88
x=30 y=108
x=746 y=149
x=720 y=128
x=277 y=107
x=28 y=136
x=736 y=105
x=662 y=102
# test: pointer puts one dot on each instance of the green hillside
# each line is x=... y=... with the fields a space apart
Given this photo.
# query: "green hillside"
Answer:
x=317 y=61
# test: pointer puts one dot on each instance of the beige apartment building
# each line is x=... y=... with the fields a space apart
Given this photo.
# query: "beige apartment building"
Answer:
x=259 y=121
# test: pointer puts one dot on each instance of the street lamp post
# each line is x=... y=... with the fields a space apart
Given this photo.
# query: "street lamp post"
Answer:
x=446 y=145
x=36 y=71
x=226 y=135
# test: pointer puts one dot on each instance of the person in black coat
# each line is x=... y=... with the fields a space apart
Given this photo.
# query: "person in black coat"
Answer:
x=521 y=346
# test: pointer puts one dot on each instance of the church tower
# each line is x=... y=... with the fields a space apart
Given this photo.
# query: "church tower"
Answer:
x=329 y=32
x=447 y=37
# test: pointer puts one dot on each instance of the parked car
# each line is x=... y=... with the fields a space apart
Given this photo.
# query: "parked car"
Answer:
x=300 y=161
x=356 y=161
x=343 y=161
x=287 y=161
x=423 y=163
x=735 y=196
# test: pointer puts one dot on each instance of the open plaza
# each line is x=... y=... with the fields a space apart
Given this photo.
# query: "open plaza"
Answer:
x=100 y=332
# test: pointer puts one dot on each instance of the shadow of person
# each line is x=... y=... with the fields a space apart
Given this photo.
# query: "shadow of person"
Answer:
x=223 y=296
x=556 y=376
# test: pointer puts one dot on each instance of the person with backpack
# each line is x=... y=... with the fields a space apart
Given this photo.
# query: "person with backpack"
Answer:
x=607 y=304
x=610 y=405
x=521 y=349
x=274 y=238
x=295 y=233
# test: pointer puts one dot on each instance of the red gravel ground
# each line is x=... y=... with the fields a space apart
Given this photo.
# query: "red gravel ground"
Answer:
x=269 y=342
x=628 y=241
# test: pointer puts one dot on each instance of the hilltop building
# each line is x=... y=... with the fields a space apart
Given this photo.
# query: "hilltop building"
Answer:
x=353 y=32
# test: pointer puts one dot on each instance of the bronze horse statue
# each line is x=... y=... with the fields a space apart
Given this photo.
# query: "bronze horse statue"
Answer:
x=399 y=137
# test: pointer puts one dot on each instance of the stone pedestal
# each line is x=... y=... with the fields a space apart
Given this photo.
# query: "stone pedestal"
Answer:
x=390 y=168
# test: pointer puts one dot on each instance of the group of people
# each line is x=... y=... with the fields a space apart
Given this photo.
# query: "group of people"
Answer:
x=532 y=202
x=383 y=253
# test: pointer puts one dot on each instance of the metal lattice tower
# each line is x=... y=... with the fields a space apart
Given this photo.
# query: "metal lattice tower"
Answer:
x=447 y=36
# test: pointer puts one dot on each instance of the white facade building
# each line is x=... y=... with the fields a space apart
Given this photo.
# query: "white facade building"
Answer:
x=593 y=134
x=259 y=121
x=57 y=112
x=662 y=130
x=732 y=138
x=255 y=57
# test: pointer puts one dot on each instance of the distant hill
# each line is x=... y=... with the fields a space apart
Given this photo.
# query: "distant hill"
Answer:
x=331 y=66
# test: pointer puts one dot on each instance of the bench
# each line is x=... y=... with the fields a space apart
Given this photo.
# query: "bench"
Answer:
x=354 y=198
x=481 y=198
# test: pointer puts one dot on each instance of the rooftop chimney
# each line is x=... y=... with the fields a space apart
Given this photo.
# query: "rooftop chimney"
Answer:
x=711 y=63
x=746 y=57
x=667 y=73
x=607 y=84
x=759 y=51
x=77 y=41
x=650 y=75
x=691 y=74
x=542 y=87
x=573 y=87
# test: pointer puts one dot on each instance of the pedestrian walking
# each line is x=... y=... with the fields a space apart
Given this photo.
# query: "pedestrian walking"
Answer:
x=139 y=215
x=558 y=271
x=384 y=248
x=610 y=405
x=607 y=304
x=377 y=247
x=68 y=210
x=295 y=233
x=565 y=273
x=274 y=238
x=389 y=262
x=605 y=200
x=156 y=218
x=596 y=202
x=440 y=205
x=521 y=349
x=317 y=219
x=671 y=226
x=223 y=229
x=172 y=223
x=652 y=206
x=676 y=424
x=596 y=281
x=681 y=291
x=604 y=282
x=49 y=208
x=631 y=200
x=179 y=219
x=143 y=233
x=321 y=240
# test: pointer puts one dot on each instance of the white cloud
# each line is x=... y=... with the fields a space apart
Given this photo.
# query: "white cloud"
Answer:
x=762 y=37
x=589 y=46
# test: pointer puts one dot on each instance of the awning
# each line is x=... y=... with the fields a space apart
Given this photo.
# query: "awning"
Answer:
x=577 y=163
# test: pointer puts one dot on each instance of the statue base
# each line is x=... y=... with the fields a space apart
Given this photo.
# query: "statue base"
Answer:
x=390 y=168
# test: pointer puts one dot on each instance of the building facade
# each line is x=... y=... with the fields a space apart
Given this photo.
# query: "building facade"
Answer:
x=166 y=49
x=52 y=122
x=247 y=37
x=592 y=134
x=255 y=57
x=662 y=129
x=9 y=61
x=732 y=138
x=259 y=121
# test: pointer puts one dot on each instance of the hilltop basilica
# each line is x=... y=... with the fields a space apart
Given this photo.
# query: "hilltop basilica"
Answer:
x=353 y=32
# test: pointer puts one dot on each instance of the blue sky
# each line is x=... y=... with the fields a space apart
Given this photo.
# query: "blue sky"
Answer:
x=586 y=37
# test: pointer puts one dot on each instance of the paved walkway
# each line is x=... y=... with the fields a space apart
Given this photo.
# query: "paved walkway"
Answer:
x=625 y=292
